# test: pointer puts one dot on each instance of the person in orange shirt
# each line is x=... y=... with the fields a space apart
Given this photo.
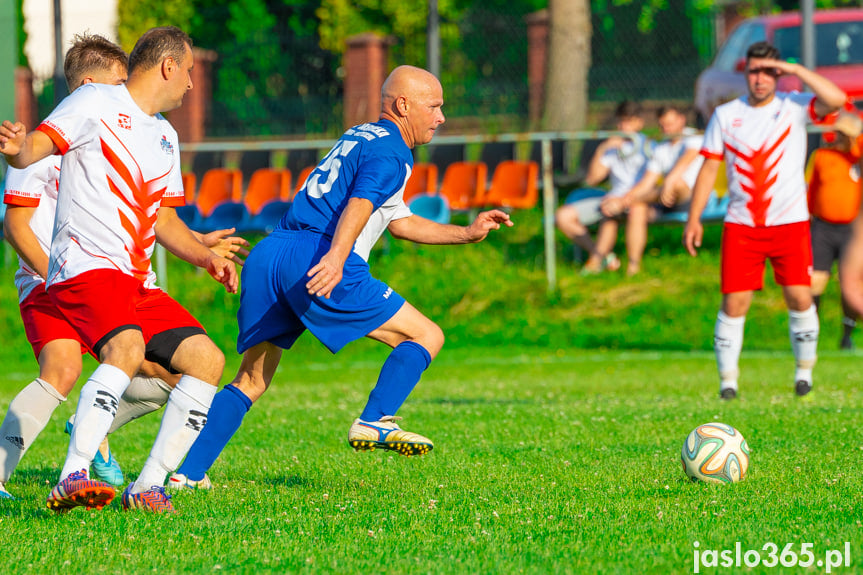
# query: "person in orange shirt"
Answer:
x=834 y=201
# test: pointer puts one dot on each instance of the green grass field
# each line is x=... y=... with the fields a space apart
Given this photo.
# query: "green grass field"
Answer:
x=558 y=423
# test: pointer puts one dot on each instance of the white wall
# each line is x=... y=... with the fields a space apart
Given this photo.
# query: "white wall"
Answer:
x=94 y=16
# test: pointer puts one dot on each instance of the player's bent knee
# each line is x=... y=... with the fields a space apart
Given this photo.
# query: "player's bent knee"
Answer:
x=199 y=357
x=124 y=350
x=432 y=339
x=60 y=364
x=61 y=377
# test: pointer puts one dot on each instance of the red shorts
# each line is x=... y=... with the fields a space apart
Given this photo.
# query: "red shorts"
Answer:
x=101 y=303
x=745 y=249
x=43 y=322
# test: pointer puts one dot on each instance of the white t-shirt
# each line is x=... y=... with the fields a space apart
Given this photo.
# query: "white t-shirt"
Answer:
x=119 y=165
x=34 y=187
x=627 y=163
x=392 y=209
x=764 y=150
x=666 y=154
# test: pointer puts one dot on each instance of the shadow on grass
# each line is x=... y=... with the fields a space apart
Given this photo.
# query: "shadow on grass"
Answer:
x=474 y=401
x=284 y=481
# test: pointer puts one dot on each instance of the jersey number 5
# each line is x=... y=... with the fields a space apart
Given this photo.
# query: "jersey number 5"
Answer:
x=315 y=188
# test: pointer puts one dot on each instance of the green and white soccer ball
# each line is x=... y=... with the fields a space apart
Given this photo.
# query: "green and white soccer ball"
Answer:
x=715 y=452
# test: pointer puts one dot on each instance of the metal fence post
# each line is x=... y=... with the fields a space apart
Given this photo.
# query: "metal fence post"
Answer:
x=549 y=202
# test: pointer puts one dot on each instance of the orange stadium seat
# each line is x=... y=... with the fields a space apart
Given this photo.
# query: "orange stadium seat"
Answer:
x=267 y=185
x=189 y=184
x=301 y=181
x=513 y=185
x=218 y=186
x=464 y=184
x=423 y=180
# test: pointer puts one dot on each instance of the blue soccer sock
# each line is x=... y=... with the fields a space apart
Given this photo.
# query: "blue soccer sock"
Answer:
x=224 y=419
x=399 y=375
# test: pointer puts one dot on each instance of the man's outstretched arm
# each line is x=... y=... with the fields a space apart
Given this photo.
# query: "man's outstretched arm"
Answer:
x=422 y=231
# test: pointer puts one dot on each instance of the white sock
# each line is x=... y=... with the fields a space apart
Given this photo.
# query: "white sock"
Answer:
x=803 y=330
x=184 y=418
x=27 y=416
x=144 y=395
x=727 y=343
x=97 y=407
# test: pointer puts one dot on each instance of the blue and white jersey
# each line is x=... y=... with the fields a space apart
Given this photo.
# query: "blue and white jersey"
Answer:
x=627 y=163
x=369 y=161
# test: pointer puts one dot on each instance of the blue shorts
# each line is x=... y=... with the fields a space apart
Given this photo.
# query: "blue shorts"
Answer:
x=275 y=305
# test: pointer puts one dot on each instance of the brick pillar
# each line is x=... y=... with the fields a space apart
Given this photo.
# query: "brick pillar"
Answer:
x=537 y=58
x=26 y=109
x=728 y=18
x=366 y=68
x=190 y=119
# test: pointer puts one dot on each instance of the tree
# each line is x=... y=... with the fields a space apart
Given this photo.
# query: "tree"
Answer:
x=22 y=33
x=568 y=64
x=134 y=17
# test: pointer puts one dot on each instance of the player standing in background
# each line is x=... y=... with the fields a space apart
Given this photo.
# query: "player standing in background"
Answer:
x=762 y=137
x=834 y=201
x=311 y=273
x=121 y=161
x=677 y=161
x=31 y=198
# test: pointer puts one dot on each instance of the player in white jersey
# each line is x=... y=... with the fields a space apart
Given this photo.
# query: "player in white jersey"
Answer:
x=676 y=161
x=31 y=199
x=762 y=138
x=622 y=160
x=120 y=182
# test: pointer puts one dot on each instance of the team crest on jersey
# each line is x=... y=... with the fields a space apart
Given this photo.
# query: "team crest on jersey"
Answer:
x=167 y=147
x=125 y=122
x=737 y=122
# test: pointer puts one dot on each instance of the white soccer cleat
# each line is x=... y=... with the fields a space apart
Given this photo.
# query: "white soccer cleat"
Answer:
x=180 y=481
x=386 y=434
x=5 y=494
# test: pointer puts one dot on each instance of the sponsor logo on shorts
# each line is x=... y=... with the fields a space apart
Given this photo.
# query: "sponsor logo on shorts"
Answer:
x=388 y=293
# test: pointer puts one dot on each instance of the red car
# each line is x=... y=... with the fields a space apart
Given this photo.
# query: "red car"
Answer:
x=838 y=56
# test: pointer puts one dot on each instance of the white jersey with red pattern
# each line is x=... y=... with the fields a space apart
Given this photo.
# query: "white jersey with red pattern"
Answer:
x=119 y=165
x=34 y=187
x=764 y=149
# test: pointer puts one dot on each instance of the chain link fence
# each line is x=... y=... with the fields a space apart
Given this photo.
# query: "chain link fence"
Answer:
x=271 y=78
x=484 y=58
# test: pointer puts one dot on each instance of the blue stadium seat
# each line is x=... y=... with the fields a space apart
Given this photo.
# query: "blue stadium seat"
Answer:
x=225 y=215
x=716 y=208
x=269 y=216
x=190 y=215
x=433 y=207
x=714 y=211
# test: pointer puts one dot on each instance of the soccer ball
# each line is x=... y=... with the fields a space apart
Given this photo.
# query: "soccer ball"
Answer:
x=715 y=452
